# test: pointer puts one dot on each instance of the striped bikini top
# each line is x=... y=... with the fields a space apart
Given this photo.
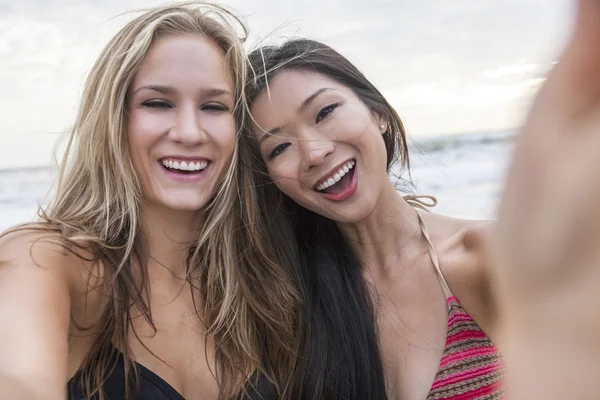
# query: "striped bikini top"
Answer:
x=471 y=368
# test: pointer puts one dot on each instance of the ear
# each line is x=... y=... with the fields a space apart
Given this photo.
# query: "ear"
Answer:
x=382 y=122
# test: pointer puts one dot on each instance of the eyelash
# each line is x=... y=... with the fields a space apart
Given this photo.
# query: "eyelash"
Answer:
x=323 y=113
x=159 y=104
x=215 y=107
x=156 y=104
x=278 y=150
x=326 y=112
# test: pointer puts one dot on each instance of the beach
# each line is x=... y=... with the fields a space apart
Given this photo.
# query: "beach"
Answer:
x=464 y=172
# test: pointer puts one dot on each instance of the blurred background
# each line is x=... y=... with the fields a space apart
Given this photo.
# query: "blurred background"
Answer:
x=460 y=73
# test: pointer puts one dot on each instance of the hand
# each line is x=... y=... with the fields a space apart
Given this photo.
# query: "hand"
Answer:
x=546 y=248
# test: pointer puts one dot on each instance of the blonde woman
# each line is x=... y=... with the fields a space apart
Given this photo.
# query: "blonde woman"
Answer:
x=140 y=280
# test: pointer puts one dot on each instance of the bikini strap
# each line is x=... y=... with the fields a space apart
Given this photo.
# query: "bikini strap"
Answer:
x=421 y=202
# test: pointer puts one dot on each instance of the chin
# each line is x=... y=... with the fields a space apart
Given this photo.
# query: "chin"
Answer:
x=348 y=219
x=186 y=204
x=343 y=217
x=352 y=214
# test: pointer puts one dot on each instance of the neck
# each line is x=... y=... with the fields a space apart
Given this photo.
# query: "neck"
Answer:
x=389 y=234
x=169 y=235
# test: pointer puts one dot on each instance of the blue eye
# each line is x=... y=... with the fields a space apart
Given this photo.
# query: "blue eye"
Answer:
x=278 y=150
x=326 y=112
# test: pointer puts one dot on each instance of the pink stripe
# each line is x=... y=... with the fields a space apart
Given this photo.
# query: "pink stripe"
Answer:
x=478 y=349
x=459 y=317
x=473 y=394
x=470 y=353
x=464 y=375
x=464 y=335
x=457 y=310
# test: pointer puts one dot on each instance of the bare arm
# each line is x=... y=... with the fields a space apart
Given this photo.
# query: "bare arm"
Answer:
x=34 y=315
x=546 y=252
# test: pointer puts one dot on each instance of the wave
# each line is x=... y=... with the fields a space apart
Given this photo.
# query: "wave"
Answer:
x=453 y=141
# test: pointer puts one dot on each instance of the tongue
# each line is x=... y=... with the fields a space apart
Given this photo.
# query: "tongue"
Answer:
x=339 y=185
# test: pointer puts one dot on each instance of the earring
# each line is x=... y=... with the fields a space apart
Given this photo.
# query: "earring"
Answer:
x=382 y=126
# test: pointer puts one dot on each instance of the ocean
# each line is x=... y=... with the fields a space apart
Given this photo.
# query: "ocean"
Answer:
x=464 y=172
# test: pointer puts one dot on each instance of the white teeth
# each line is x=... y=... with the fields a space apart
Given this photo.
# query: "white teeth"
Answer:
x=185 y=166
x=337 y=175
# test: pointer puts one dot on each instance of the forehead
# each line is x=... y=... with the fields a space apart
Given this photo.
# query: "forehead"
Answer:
x=291 y=87
x=181 y=59
x=287 y=90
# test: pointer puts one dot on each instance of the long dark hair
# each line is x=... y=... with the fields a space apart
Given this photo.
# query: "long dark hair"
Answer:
x=337 y=340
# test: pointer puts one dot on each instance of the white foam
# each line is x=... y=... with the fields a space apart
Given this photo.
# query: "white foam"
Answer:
x=465 y=176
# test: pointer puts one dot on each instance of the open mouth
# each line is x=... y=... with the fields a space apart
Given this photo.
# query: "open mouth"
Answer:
x=189 y=167
x=339 y=180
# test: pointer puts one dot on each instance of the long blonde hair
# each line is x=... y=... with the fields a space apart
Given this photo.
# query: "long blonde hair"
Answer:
x=247 y=300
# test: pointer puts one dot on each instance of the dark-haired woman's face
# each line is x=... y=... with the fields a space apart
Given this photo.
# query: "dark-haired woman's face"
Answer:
x=322 y=145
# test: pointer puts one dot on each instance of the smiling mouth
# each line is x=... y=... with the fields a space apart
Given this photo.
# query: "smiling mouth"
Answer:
x=339 y=180
x=189 y=167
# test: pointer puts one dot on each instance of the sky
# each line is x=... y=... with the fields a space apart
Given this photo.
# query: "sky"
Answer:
x=447 y=66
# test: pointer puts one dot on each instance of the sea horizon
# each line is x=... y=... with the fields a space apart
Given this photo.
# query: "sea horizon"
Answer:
x=432 y=141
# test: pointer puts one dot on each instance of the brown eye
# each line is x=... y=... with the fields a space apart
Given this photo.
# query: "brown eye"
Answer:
x=326 y=112
x=278 y=150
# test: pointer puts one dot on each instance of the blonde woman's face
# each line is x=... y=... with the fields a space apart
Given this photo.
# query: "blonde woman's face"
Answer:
x=181 y=126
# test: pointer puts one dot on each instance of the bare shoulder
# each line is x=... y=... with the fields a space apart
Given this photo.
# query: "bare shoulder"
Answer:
x=35 y=254
x=460 y=245
x=42 y=284
x=37 y=248
x=58 y=286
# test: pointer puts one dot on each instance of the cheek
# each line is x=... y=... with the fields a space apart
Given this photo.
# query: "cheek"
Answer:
x=225 y=136
x=143 y=130
x=146 y=125
x=137 y=154
x=138 y=157
x=285 y=179
x=356 y=121
x=363 y=134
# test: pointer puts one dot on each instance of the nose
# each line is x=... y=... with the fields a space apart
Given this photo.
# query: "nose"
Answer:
x=188 y=127
x=315 y=150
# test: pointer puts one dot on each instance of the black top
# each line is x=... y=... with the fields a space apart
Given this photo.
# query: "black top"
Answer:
x=153 y=387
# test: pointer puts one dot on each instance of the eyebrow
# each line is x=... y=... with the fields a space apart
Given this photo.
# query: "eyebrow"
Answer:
x=305 y=104
x=209 y=92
